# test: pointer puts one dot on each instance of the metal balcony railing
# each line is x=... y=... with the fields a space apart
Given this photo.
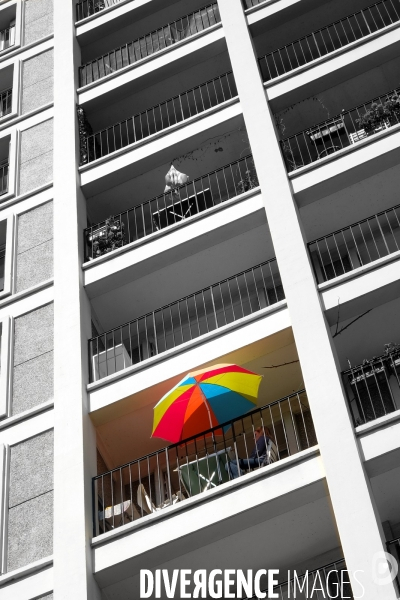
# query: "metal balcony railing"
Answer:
x=90 y=7
x=345 y=129
x=4 y=178
x=5 y=102
x=170 y=112
x=153 y=42
x=394 y=548
x=7 y=37
x=373 y=388
x=199 y=463
x=334 y=584
x=171 y=208
x=330 y=38
x=356 y=245
x=185 y=319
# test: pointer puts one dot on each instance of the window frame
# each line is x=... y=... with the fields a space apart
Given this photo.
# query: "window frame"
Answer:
x=9 y=257
x=5 y=360
x=17 y=27
x=15 y=102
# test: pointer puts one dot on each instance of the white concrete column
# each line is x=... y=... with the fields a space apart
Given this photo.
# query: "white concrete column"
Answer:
x=75 y=448
x=356 y=516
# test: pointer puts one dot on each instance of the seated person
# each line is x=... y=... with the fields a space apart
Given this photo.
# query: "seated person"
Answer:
x=262 y=436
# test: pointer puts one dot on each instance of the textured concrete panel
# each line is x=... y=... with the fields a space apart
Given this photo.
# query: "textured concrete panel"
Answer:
x=30 y=531
x=35 y=227
x=36 y=141
x=39 y=29
x=38 y=19
x=37 y=95
x=37 y=81
x=34 y=266
x=31 y=468
x=36 y=172
x=36 y=158
x=33 y=334
x=33 y=383
x=48 y=597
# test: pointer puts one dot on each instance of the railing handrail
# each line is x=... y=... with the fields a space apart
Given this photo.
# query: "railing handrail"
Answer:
x=186 y=16
x=160 y=104
x=177 y=189
x=80 y=5
x=201 y=434
x=105 y=333
x=393 y=541
x=383 y=212
x=312 y=33
x=341 y=114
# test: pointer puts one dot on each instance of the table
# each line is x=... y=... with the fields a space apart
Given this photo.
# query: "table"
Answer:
x=180 y=209
x=204 y=473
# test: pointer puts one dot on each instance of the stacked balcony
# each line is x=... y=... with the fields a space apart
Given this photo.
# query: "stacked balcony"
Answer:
x=186 y=319
x=149 y=44
x=328 y=39
x=201 y=463
x=357 y=245
x=87 y=8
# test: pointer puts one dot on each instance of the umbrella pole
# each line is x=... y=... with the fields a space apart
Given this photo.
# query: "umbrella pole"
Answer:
x=208 y=410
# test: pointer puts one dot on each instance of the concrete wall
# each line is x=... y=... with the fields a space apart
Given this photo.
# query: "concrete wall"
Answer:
x=35 y=247
x=48 y=597
x=30 y=515
x=36 y=156
x=38 y=20
x=33 y=359
x=37 y=81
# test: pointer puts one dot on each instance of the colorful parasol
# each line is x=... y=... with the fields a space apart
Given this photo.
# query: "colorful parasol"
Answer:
x=205 y=399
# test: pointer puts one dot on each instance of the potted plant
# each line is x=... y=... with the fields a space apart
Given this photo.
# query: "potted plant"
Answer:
x=248 y=182
x=374 y=118
x=107 y=238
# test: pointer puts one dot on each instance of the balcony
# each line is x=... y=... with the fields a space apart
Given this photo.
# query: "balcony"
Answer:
x=343 y=131
x=158 y=118
x=5 y=102
x=4 y=178
x=186 y=319
x=199 y=464
x=357 y=245
x=88 y=8
x=152 y=43
x=328 y=39
x=373 y=387
x=169 y=209
x=333 y=578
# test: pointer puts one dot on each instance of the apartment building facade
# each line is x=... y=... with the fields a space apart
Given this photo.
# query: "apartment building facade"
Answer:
x=184 y=185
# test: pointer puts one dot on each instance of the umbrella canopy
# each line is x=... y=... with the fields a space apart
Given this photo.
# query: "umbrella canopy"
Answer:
x=205 y=399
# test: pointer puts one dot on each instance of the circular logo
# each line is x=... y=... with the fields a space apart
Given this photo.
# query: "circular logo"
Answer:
x=384 y=568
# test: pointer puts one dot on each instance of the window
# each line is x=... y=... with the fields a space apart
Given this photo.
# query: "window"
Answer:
x=10 y=26
x=9 y=91
x=6 y=253
x=5 y=331
x=8 y=147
